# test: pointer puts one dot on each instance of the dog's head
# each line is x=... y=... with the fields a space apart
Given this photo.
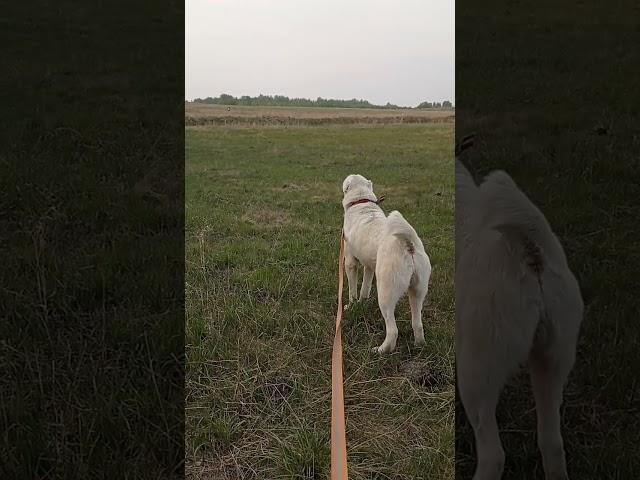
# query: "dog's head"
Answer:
x=356 y=182
x=356 y=187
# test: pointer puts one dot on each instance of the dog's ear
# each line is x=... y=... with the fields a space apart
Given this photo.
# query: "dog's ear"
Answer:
x=346 y=184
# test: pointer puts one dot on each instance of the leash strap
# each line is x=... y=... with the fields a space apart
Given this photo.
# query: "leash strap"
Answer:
x=338 y=428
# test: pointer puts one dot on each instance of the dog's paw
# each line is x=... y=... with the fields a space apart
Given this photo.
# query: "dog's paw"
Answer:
x=382 y=349
x=352 y=303
x=557 y=472
x=418 y=337
x=557 y=476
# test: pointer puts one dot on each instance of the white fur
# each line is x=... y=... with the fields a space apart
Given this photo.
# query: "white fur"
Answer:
x=384 y=246
x=508 y=314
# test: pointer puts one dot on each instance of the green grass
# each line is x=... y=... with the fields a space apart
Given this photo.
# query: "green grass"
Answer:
x=535 y=83
x=91 y=224
x=263 y=220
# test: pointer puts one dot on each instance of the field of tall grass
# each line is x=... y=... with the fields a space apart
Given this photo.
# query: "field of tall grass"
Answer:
x=263 y=222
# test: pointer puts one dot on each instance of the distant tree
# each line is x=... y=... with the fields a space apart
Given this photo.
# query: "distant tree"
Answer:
x=447 y=104
x=283 y=101
x=225 y=99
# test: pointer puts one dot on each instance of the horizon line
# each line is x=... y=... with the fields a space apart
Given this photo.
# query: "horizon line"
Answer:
x=315 y=99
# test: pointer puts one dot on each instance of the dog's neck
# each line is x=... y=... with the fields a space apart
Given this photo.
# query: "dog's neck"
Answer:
x=364 y=200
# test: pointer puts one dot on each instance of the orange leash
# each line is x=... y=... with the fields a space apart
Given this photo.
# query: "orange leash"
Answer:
x=338 y=429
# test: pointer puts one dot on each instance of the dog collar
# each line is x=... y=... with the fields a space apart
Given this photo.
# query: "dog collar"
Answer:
x=366 y=200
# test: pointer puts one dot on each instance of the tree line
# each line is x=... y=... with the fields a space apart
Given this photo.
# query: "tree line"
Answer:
x=282 y=101
x=445 y=104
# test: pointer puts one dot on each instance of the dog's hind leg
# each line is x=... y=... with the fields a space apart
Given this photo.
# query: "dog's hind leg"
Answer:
x=367 y=278
x=351 y=266
x=548 y=376
x=417 y=294
x=390 y=288
x=387 y=307
x=479 y=394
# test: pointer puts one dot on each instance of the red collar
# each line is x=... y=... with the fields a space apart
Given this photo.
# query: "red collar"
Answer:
x=366 y=200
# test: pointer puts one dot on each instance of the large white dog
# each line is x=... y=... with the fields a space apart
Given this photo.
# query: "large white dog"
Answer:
x=517 y=301
x=388 y=246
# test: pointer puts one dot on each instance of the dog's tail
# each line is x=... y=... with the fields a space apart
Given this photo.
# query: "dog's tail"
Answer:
x=508 y=210
x=399 y=227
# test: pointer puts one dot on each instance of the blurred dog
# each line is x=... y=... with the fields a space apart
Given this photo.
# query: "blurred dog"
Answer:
x=517 y=301
x=388 y=247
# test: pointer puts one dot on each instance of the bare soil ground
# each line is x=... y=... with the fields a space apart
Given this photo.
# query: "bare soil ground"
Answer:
x=204 y=114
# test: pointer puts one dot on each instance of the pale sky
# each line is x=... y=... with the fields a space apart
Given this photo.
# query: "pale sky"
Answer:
x=400 y=51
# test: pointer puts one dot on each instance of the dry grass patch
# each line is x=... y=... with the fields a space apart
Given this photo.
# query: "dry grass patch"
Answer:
x=267 y=218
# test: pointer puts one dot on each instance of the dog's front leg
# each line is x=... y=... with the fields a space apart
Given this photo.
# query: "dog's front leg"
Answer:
x=365 y=290
x=351 y=266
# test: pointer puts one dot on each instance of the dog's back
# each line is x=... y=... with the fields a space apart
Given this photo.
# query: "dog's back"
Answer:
x=389 y=248
x=516 y=301
x=402 y=250
x=510 y=254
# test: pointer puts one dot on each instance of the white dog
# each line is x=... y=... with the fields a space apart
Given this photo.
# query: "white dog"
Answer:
x=516 y=302
x=388 y=246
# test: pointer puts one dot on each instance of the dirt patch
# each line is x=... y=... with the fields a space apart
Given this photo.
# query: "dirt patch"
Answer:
x=294 y=187
x=274 y=391
x=267 y=218
x=324 y=198
x=424 y=375
x=228 y=173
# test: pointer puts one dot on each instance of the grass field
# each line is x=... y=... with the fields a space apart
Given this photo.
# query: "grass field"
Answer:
x=205 y=114
x=550 y=105
x=91 y=225
x=263 y=219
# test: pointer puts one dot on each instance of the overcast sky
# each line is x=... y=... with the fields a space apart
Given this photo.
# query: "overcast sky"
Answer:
x=379 y=50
